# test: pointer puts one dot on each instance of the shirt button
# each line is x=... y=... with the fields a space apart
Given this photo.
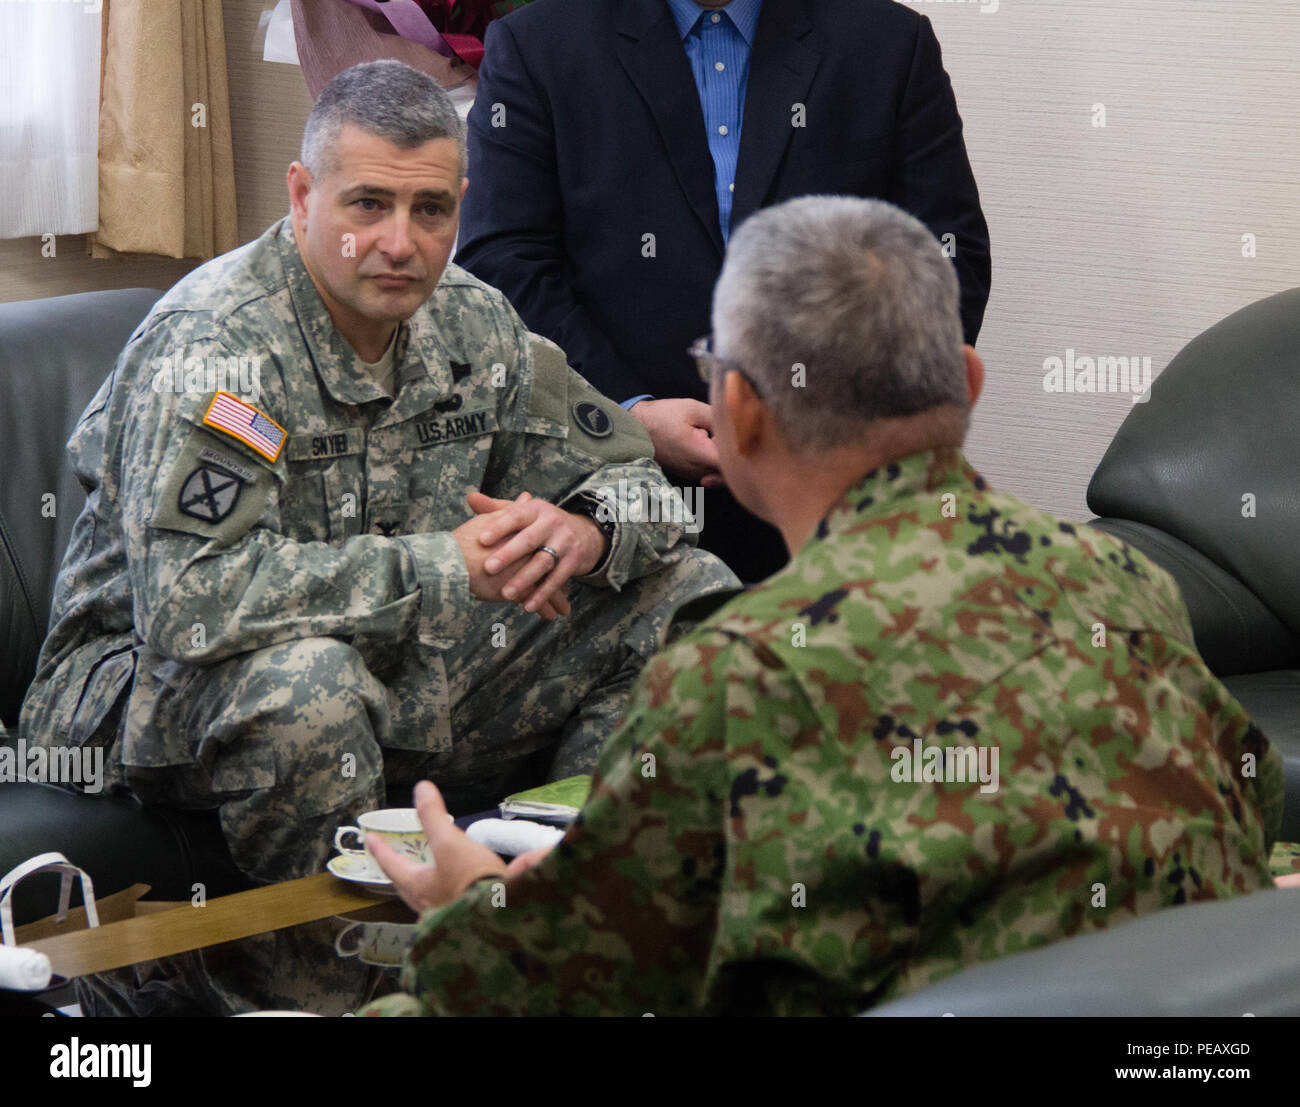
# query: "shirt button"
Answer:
x=722 y=130
x=719 y=66
x=714 y=17
x=731 y=187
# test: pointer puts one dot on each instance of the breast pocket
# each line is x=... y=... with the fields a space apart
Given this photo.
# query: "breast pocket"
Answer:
x=322 y=500
x=463 y=465
x=448 y=457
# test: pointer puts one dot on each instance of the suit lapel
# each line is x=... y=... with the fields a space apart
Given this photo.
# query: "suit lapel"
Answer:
x=781 y=66
x=651 y=52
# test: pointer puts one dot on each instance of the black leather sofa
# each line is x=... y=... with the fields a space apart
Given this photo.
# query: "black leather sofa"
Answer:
x=54 y=354
x=1218 y=426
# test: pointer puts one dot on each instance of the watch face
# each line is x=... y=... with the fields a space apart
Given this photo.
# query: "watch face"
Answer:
x=599 y=511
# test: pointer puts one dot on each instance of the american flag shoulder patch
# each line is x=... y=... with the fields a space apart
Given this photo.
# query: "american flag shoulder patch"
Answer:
x=257 y=431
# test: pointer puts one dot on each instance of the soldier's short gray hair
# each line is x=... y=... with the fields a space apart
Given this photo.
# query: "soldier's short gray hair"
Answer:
x=841 y=311
x=384 y=98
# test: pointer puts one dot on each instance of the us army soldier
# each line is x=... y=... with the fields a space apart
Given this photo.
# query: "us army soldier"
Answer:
x=288 y=605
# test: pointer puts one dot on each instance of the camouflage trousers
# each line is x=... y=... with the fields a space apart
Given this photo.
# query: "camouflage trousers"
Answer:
x=291 y=741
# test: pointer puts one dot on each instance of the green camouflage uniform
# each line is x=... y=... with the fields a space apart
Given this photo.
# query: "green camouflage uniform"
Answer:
x=753 y=845
x=280 y=624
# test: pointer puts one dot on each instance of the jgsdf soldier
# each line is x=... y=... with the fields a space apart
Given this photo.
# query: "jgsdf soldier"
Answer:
x=278 y=603
x=952 y=728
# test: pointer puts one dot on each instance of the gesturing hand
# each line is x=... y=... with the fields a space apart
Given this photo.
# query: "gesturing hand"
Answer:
x=458 y=860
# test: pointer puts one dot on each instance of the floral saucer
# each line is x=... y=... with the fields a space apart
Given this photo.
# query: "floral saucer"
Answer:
x=357 y=868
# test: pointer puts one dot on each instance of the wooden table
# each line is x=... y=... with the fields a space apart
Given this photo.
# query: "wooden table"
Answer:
x=186 y=927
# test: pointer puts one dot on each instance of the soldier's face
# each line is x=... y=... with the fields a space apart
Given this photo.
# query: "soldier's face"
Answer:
x=376 y=231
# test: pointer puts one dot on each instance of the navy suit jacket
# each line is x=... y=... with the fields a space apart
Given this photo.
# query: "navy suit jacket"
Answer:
x=587 y=136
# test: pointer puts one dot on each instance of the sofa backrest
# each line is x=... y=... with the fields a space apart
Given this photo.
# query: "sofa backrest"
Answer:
x=54 y=354
x=1211 y=459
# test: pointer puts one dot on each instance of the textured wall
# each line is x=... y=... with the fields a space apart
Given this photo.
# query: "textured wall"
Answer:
x=1123 y=240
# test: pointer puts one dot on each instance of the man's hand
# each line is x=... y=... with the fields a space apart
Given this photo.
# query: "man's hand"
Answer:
x=680 y=430
x=487 y=586
x=503 y=549
x=458 y=860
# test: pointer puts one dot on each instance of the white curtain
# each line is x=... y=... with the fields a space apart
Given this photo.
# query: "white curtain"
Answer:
x=49 y=116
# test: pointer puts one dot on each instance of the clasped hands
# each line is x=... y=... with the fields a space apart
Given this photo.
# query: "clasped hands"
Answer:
x=502 y=546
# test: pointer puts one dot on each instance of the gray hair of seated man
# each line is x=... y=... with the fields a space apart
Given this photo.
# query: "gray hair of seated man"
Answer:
x=384 y=98
x=840 y=311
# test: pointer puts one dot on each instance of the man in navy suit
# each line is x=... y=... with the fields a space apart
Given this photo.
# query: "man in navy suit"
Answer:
x=615 y=144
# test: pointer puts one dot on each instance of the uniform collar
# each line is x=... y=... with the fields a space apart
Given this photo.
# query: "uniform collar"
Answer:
x=887 y=489
x=742 y=13
x=338 y=365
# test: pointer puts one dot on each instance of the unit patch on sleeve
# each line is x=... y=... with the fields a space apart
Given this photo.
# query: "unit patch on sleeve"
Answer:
x=206 y=489
x=209 y=494
x=593 y=419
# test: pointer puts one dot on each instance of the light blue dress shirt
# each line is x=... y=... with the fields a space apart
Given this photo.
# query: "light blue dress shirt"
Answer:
x=717 y=44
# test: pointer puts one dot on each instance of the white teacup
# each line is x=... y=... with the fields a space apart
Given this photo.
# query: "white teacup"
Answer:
x=376 y=943
x=398 y=826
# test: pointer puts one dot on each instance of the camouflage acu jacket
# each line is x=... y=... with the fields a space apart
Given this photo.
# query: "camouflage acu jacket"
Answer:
x=951 y=729
x=248 y=483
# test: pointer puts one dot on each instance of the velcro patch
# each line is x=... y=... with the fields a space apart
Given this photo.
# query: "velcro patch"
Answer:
x=448 y=428
x=342 y=442
x=259 y=432
x=225 y=461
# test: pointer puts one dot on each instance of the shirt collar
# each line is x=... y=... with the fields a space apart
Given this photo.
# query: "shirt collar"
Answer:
x=742 y=13
x=886 y=491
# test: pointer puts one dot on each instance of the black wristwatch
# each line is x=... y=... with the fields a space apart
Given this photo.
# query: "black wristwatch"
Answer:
x=599 y=512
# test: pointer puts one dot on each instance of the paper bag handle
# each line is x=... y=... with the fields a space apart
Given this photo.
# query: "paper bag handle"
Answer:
x=43 y=862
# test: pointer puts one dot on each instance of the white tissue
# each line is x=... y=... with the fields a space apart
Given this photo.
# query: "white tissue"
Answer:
x=279 y=45
x=23 y=970
x=514 y=836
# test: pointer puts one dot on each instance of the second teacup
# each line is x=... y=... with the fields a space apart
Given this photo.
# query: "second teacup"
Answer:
x=398 y=826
